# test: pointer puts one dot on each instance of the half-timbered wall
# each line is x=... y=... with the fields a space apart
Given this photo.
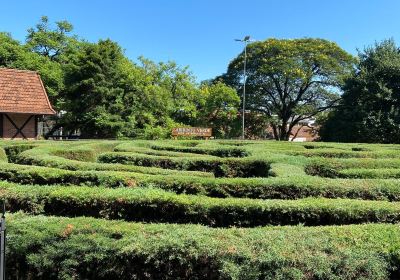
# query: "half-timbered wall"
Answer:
x=18 y=126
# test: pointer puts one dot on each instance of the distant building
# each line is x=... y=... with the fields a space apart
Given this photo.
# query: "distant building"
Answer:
x=23 y=100
x=305 y=131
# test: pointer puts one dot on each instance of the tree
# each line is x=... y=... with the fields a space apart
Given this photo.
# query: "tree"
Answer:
x=175 y=86
x=108 y=96
x=10 y=50
x=101 y=93
x=290 y=80
x=15 y=55
x=94 y=91
x=217 y=108
x=50 y=42
x=370 y=107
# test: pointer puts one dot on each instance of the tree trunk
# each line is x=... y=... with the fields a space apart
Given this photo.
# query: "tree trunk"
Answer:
x=275 y=132
x=282 y=133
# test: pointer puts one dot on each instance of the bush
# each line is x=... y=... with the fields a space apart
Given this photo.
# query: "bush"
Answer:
x=153 y=205
x=12 y=152
x=3 y=155
x=220 y=168
x=273 y=187
x=351 y=168
x=190 y=182
x=43 y=156
x=369 y=173
x=214 y=151
x=85 y=248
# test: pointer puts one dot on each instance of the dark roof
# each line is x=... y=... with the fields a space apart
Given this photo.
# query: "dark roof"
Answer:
x=22 y=91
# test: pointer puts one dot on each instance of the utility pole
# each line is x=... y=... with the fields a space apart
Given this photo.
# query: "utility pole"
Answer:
x=245 y=40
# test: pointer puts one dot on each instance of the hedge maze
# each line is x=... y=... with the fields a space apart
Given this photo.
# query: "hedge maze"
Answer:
x=201 y=210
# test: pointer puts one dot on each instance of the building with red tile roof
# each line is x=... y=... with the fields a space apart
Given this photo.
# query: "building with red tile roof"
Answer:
x=23 y=100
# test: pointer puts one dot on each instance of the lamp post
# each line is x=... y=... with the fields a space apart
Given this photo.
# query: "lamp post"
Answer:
x=245 y=40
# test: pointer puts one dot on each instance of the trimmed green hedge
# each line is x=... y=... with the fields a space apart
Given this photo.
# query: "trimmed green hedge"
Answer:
x=154 y=205
x=351 y=168
x=369 y=173
x=340 y=152
x=220 y=168
x=217 y=151
x=3 y=155
x=339 y=164
x=85 y=248
x=273 y=187
x=12 y=151
x=71 y=182
x=86 y=152
x=43 y=156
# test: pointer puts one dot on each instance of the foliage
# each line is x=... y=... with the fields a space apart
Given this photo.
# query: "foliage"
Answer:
x=290 y=80
x=78 y=163
x=3 y=155
x=100 y=93
x=48 y=179
x=202 y=203
x=217 y=107
x=48 y=42
x=369 y=110
x=94 y=91
x=15 y=55
x=80 y=248
x=153 y=205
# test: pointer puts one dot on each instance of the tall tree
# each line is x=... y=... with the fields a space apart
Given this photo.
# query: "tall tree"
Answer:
x=290 y=80
x=178 y=86
x=101 y=93
x=94 y=91
x=47 y=41
x=370 y=108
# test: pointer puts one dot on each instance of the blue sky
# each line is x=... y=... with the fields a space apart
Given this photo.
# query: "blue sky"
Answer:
x=201 y=33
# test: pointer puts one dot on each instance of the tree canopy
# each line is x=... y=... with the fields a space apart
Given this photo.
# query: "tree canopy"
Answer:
x=48 y=42
x=99 y=92
x=370 y=107
x=289 y=81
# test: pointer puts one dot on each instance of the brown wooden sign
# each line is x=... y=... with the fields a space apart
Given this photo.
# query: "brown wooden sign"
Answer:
x=192 y=131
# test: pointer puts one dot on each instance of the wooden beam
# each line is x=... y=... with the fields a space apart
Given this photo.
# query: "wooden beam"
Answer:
x=36 y=126
x=19 y=129
x=1 y=126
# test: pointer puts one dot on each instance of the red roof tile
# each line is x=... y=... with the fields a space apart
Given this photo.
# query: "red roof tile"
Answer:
x=22 y=91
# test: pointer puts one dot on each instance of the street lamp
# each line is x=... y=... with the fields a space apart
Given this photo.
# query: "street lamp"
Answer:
x=245 y=40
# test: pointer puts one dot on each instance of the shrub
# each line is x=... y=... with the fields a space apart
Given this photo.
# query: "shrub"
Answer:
x=220 y=168
x=3 y=155
x=85 y=248
x=215 y=183
x=154 y=205
x=351 y=168
x=44 y=156
x=273 y=187
x=13 y=151
x=217 y=151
